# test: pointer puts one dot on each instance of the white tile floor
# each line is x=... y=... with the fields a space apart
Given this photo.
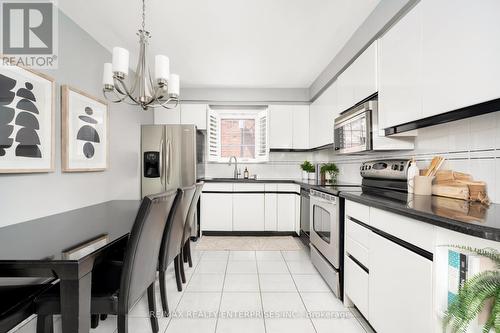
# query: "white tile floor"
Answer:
x=244 y=291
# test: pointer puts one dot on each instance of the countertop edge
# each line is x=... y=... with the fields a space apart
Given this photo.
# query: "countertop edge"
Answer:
x=439 y=221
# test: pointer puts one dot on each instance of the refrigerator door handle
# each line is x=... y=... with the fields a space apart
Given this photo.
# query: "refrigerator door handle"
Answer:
x=162 y=156
x=169 y=156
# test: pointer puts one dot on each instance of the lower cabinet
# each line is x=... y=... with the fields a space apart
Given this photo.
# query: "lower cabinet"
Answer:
x=248 y=212
x=286 y=212
x=270 y=211
x=216 y=211
x=400 y=292
x=391 y=285
x=250 y=207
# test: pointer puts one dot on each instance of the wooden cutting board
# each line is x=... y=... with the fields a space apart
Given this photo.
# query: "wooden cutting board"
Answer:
x=451 y=190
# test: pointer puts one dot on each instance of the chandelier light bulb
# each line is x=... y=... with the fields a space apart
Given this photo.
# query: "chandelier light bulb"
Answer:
x=162 y=68
x=120 y=60
x=107 y=75
x=173 y=85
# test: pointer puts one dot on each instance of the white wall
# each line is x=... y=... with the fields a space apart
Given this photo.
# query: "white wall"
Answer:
x=28 y=196
x=471 y=145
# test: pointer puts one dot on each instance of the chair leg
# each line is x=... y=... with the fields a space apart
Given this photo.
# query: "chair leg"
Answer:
x=152 y=308
x=122 y=321
x=103 y=316
x=177 y=273
x=45 y=324
x=190 y=260
x=185 y=251
x=181 y=266
x=94 y=321
x=163 y=294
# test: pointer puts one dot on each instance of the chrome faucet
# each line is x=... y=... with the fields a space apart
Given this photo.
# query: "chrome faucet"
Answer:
x=236 y=173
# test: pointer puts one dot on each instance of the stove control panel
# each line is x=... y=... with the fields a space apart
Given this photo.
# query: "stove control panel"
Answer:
x=385 y=169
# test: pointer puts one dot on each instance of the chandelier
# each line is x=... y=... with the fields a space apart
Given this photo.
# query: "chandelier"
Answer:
x=145 y=91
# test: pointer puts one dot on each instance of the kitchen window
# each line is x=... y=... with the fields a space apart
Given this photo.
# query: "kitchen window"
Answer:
x=237 y=131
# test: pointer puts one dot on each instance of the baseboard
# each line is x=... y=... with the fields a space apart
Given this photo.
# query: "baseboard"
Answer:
x=250 y=233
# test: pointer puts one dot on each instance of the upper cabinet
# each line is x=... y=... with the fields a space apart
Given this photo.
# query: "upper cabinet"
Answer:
x=400 y=71
x=194 y=114
x=322 y=114
x=460 y=53
x=186 y=114
x=167 y=116
x=289 y=126
x=359 y=80
x=441 y=56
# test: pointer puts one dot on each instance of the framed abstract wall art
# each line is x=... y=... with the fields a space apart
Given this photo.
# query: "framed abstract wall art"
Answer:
x=26 y=120
x=84 y=121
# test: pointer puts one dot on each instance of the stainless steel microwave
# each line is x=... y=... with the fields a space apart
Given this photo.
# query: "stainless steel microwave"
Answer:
x=353 y=129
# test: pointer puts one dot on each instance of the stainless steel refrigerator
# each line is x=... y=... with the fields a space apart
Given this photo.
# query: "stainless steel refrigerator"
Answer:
x=169 y=158
x=172 y=157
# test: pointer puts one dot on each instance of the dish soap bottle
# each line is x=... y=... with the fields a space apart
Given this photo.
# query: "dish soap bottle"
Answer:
x=245 y=173
x=412 y=172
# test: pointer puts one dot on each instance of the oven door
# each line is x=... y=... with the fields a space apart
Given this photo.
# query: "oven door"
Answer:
x=325 y=235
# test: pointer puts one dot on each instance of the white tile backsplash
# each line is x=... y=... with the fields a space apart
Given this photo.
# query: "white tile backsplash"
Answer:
x=470 y=145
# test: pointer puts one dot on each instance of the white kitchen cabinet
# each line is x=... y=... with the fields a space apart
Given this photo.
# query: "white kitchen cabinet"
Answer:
x=359 y=80
x=365 y=73
x=194 y=114
x=460 y=53
x=300 y=132
x=400 y=289
x=247 y=207
x=248 y=212
x=429 y=66
x=400 y=71
x=357 y=286
x=345 y=88
x=167 y=116
x=271 y=212
x=216 y=211
x=289 y=126
x=280 y=127
x=286 y=212
x=322 y=114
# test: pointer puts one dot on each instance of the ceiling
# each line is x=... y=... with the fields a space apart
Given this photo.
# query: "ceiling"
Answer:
x=229 y=43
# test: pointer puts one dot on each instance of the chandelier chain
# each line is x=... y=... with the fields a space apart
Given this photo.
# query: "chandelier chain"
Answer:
x=143 y=15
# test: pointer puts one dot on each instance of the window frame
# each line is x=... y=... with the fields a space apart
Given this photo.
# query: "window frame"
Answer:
x=215 y=114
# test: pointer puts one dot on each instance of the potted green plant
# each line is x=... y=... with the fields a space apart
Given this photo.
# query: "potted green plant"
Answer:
x=307 y=170
x=480 y=292
x=329 y=172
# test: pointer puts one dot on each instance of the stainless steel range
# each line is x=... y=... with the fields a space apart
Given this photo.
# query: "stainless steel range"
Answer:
x=326 y=234
x=327 y=216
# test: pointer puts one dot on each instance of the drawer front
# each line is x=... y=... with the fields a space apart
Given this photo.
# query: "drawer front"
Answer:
x=288 y=188
x=245 y=187
x=222 y=187
x=358 y=211
x=271 y=187
x=357 y=250
x=356 y=286
x=358 y=233
x=414 y=232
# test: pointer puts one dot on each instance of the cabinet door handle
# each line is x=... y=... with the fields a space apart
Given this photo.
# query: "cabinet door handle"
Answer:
x=357 y=262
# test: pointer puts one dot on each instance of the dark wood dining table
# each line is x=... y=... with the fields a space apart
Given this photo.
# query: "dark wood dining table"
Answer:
x=35 y=249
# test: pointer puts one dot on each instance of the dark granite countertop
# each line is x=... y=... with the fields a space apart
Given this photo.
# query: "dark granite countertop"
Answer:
x=471 y=218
